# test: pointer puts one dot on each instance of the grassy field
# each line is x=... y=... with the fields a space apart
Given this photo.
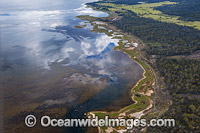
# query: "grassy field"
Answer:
x=143 y=103
x=147 y=10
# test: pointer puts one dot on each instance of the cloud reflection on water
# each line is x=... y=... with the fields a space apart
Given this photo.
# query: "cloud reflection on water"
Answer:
x=24 y=28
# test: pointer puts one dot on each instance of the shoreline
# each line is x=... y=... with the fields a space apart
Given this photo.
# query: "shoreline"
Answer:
x=143 y=64
x=138 y=114
x=136 y=84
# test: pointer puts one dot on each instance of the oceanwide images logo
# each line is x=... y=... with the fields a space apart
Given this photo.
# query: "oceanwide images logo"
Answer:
x=46 y=121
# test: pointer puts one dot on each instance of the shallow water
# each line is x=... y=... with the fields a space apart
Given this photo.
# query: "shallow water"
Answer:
x=48 y=62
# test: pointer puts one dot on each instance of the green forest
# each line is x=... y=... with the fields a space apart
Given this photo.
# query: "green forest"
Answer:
x=188 y=10
x=161 y=38
x=181 y=75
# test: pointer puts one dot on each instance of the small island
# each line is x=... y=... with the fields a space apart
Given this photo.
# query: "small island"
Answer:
x=80 y=26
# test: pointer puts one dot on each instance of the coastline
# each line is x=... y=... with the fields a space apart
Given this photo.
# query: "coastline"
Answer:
x=121 y=114
x=136 y=88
